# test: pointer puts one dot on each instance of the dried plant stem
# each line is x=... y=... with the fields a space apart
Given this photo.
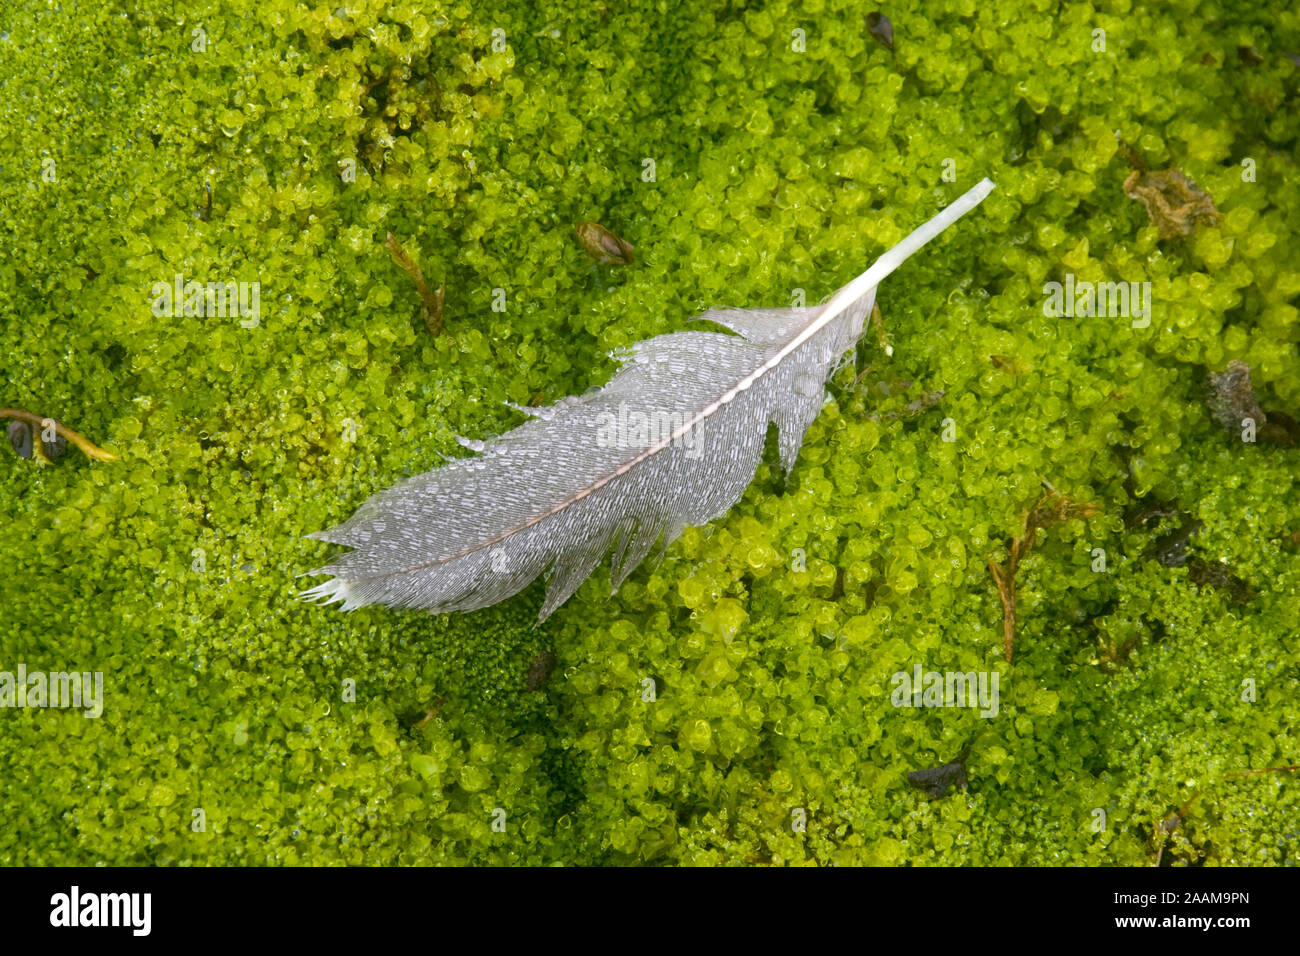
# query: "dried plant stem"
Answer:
x=1006 y=582
x=1052 y=508
x=88 y=447
x=432 y=300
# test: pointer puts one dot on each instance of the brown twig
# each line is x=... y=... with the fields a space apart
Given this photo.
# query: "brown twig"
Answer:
x=1005 y=580
x=432 y=300
x=89 y=448
x=1052 y=508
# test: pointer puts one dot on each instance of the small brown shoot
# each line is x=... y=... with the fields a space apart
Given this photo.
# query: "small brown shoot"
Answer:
x=432 y=300
x=1052 y=508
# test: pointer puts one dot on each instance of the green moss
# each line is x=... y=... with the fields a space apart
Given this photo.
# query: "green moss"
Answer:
x=745 y=679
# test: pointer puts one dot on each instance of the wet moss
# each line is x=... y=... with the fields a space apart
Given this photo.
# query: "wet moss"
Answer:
x=744 y=680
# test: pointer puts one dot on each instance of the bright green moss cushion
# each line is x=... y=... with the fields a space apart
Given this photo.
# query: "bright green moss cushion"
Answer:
x=746 y=679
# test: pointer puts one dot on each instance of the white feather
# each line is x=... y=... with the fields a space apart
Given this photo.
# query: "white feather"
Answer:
x=672 y=440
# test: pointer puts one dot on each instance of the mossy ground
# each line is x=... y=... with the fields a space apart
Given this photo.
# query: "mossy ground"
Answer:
x=775 y=169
